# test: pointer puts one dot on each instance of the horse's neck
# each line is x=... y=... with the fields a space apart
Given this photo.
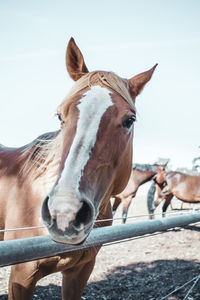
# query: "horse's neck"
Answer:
x=10 y=160
x=42 y=179
x=105 y=212
x=43 y=184
x=172 y=177
x=142 y=177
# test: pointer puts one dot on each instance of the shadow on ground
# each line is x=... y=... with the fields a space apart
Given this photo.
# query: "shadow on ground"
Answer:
x=141 y=281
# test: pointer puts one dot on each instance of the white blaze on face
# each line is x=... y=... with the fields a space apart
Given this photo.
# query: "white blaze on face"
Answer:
x=92 y=107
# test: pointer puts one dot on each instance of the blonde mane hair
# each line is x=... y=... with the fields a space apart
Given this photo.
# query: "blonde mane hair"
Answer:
x=43 y=152
x=47 y=151
x=108 y=79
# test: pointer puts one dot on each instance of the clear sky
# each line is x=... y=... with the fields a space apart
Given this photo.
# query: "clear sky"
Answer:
x=127 y=37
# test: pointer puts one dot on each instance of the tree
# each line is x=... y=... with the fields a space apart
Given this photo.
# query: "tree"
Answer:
x=196 y=164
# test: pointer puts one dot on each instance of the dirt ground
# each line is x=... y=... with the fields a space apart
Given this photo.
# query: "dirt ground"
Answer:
x=149 y=267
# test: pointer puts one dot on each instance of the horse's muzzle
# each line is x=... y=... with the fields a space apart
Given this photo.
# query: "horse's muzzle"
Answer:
x=76 y=229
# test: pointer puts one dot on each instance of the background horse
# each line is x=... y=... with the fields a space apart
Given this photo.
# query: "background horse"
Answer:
x=183 y=186
x=75 y=170
x=150 y=200
x=140 y=174
x=152 y=204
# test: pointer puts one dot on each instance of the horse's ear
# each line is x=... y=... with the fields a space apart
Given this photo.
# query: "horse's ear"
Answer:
x=74 y=61
x=165 y=165
x=161 y=168
x=138 y=82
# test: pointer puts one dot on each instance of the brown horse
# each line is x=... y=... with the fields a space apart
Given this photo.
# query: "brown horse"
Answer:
x=183 y=186
x=140 y=174
x=75 y=170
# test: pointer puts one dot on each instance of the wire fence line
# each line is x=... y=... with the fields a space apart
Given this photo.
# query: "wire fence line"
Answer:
x=106 y=220
x=134 y=231
x=195 y=279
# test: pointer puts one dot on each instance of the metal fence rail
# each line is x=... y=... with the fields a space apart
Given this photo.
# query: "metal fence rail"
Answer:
x=23 y=250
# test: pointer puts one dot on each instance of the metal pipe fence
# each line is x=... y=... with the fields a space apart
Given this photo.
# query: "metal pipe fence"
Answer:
x=23 y=250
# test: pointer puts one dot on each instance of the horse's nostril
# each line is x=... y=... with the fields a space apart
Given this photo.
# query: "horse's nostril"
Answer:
x=84 y=215
x=45 y=214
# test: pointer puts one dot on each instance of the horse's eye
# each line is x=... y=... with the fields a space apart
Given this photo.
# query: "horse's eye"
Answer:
x=59 y=117
x=127 y=123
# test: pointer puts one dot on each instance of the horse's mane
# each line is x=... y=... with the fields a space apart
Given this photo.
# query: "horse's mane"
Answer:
x=145 y=167
x=44 y=150
x=102 y=78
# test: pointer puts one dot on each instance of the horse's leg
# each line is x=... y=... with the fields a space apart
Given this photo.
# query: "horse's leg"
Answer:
x=75 y=280
x=166 y=204
x=116 y=203
x=125 y=204
x=150 y=200
x=23 y=278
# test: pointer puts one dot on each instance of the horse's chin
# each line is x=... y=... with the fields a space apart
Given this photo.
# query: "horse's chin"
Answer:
x=71 y=235
x=64 y=239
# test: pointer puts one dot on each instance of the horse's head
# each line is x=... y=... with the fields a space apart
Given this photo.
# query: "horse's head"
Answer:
x=160 y=180
x=161 y=168
x=160 y=177
x=97 y=121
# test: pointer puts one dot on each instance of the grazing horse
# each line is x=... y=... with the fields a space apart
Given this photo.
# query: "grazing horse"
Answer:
x=67 y=177
x=183 y=186
x=140 y=174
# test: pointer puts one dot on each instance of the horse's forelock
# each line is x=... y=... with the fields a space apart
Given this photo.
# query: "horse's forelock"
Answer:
x=102 y=78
